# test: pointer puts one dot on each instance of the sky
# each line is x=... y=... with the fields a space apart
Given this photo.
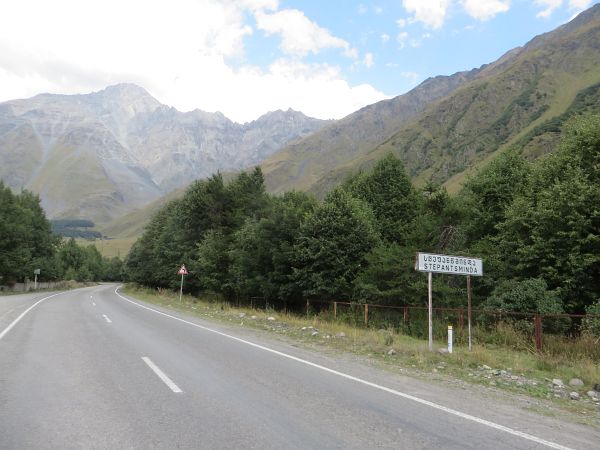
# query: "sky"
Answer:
x=326 y=58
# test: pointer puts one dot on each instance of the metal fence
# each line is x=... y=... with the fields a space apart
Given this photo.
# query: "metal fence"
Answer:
x=413 y=320
x=489 y=326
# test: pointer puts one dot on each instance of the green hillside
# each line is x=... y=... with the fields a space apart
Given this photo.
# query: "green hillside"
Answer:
x=522 y=99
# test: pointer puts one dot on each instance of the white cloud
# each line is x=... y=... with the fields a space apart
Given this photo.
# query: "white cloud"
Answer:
x=485 y=9
x=548 y=7
x=378 y=10
x=412 y=76
x=579 y=5
x=402 y=23
x=368 y=60
x=183 y=54
x=362 y=9
x=430 y=12
x=401 y=39
x=385 y=38
x=300 y=35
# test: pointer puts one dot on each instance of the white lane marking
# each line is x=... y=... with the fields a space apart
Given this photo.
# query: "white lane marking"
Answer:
x=162 y=375
x=106 y=318
x=16 y=321
x=454 y=412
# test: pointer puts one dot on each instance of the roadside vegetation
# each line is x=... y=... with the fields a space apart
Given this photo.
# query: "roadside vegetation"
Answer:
x=27 y=243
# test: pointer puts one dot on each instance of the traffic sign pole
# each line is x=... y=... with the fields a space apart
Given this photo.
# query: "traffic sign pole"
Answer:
x=181 y=288
x=182 y=271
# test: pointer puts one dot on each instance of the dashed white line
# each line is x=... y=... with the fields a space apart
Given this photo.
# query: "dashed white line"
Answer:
x=14 y=322
x=162 y=375
x=106 y=318
x=451 y=411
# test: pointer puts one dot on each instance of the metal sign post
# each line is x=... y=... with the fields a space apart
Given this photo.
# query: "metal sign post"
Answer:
x=469 y=308
x=430 y=309
x=182 y=271
x=453 y=265
x=36 y=272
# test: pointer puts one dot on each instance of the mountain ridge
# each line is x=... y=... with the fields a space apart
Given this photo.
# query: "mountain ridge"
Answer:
x=99 y=155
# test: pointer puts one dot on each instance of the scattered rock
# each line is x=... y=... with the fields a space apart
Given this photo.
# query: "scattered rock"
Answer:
x=592 y=394
x=253 y=317
x=440 y=367
x=574 y=396
x=442 y=350
x=557 y=382
x=314 y=333
x=271 y=318
x=485 y=367
x=240 y=315
x=341 y=334
x=575 y=382
x=392 y=352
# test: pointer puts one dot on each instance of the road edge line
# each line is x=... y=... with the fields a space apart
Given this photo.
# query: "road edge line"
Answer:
x=451 y=411
x=16 y=321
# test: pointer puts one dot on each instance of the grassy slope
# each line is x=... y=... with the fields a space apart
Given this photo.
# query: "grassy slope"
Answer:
x=109 y=247
x=132 y=225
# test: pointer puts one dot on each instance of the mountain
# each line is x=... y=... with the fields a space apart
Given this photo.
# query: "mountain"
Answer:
x=98 y=156
x=448 y=125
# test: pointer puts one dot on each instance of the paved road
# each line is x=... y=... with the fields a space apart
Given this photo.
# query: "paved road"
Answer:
x=92 y=369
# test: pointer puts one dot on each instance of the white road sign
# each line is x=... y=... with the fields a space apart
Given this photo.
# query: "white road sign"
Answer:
x=456 y=265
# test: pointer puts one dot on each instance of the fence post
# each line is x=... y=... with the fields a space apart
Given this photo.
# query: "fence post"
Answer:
x=406 y=315
x=366 y=314
x=307 y=307
x=461 y=322
x=335 y=310
x=538 y=332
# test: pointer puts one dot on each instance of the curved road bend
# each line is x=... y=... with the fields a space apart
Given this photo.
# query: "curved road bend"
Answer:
x=92 y=368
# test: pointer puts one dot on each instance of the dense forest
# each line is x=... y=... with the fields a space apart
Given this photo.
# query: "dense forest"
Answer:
x=27 y=243
x=535 y=225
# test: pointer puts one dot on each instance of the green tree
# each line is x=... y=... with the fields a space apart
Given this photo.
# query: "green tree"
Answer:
x=389 y=192
x=263 y=253
x=553 y=229
x=332 y=246
x=487 y=195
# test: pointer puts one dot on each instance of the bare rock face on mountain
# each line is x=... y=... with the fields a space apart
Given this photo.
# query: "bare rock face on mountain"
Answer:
x=98 y=156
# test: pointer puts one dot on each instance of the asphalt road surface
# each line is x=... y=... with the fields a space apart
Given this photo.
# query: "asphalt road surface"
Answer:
x=92 y=368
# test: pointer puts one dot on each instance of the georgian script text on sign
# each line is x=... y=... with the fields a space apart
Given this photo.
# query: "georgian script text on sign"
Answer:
x=457 y=265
